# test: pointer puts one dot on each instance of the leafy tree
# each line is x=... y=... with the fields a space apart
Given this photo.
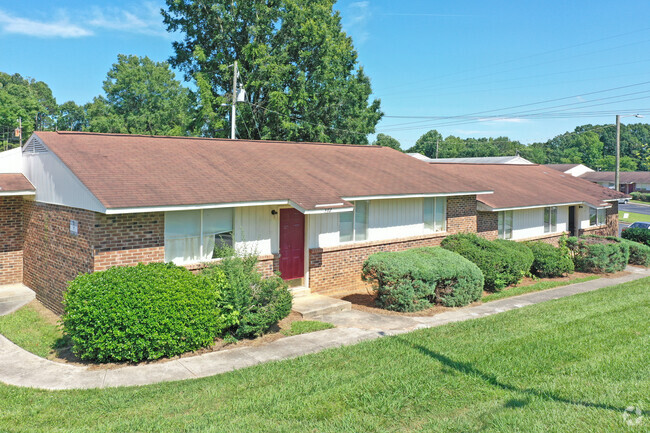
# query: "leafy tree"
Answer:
x=426 y=145
x=142 y=97
x=387 y=141
x=71 y=117
x=608 y=163
x=299 y=68
x=28 y=99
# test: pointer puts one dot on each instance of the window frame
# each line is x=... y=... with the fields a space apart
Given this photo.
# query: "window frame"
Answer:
x=597 y=217
x=354 y=223
x=202 y=234
x=501 y=224
x=434 y=225
x=550 y=219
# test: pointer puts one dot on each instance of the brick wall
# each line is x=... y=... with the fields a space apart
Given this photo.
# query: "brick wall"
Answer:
x=487 y=224
x=336 y=269
x=11 y=240
x=129 y=239
x=52 y=255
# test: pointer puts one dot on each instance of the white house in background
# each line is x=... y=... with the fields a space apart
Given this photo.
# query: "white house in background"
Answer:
x=478 y=160
x=535 y=202
x=575 y=170
x=10 y=161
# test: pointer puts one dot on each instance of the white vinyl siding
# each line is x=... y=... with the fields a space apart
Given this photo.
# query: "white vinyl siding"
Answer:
x=191 y=236
x=531 y=223
x=257 y=229
x=387 y=219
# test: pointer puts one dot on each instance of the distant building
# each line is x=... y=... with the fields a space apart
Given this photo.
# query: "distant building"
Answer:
x=575 y=170
x=630 y=180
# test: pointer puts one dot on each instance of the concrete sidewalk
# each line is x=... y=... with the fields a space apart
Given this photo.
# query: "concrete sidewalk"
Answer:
x=21 y=368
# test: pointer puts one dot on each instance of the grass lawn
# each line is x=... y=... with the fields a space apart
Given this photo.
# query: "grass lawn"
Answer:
x=640 y=202
x=570 y=365
x=33 y=328
x=632 y=217
x=542 y=285
x=305 y=326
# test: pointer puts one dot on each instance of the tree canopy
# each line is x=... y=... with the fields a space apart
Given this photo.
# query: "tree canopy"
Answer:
x=298 y=67
x=387 y=141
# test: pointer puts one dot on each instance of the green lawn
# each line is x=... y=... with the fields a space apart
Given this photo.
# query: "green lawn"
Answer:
x=640 y=202
x=541 y=285
x=632 y=217
x=570 y=365
x=27 y=328
x=305 y=326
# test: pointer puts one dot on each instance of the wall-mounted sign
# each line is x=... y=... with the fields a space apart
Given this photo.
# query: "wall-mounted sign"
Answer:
x=74 y=227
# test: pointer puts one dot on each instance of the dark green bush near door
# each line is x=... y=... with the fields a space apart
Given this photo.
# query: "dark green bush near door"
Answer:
x=416 y=279
x=261 y=302
x=550 y=261
x=143 y=312
x=502 y=262
x=598 y=254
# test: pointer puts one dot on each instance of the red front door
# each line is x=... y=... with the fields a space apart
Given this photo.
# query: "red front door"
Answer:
x=292 y=244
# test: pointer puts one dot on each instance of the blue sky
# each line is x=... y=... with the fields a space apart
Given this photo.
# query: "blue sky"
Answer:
x=465 y=58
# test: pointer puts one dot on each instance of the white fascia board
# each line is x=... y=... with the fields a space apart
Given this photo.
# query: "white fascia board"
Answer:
x=394 y=196
x=10 y=193
x=115 y=211
x=319 y=211
x=537 y=206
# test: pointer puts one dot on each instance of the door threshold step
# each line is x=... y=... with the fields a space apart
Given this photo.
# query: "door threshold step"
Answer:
x=313 y=306
x=300 y=291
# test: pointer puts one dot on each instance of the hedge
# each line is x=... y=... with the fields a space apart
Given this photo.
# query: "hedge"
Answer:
x=502 y=262
x=641 y=196
x=550 y=261
x=600 y=254
x=637 y=234
x=639 y=253
x=143 y=312
x=416 y=279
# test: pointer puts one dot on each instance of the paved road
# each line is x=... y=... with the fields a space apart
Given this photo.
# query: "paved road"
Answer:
x=635 y=208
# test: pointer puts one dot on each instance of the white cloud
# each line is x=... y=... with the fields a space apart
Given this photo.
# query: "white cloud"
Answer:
x=355 y=20
x=61 y=27
x=145 y=19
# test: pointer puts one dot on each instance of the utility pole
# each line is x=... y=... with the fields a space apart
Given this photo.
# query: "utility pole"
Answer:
x=437 y=142
x=233 y=113
x=617 y=173
x=20 y=129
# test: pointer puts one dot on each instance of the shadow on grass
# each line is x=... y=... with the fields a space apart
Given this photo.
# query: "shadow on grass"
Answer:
x=470 y=370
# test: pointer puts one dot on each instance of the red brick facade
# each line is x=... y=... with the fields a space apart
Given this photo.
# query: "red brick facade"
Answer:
x=11 y=240
x=611 y=226
x=487 y=225
x=337 y=269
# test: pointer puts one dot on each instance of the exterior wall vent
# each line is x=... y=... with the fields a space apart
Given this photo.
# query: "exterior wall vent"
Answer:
x=34 y=145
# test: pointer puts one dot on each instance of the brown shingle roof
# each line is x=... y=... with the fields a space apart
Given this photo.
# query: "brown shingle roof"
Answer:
x=128 y=171
x=12 y=183
x=561 y=167
x=626 y=176
x=528 y=185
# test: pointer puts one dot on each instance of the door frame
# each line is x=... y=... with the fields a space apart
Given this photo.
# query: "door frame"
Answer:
x=306 y=237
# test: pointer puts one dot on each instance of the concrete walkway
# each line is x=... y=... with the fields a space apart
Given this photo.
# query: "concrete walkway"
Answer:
x=21 y=368
x=14 y=296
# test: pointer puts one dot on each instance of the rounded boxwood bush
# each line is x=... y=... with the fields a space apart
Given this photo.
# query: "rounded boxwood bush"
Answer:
x=637 y=234
x=143 y=312
x=416 y=279
x=599 y=254
x=550 y=261
x=502 y=262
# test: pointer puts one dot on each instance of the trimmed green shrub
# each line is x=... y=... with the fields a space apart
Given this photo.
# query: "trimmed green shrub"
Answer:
x=641 y=196
x=261 y=302
x=416 y=279
x=599 y=254
x=637 y=234
x=550 y=261
x=143 y=312
x=639 y=253
x=502 y=262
